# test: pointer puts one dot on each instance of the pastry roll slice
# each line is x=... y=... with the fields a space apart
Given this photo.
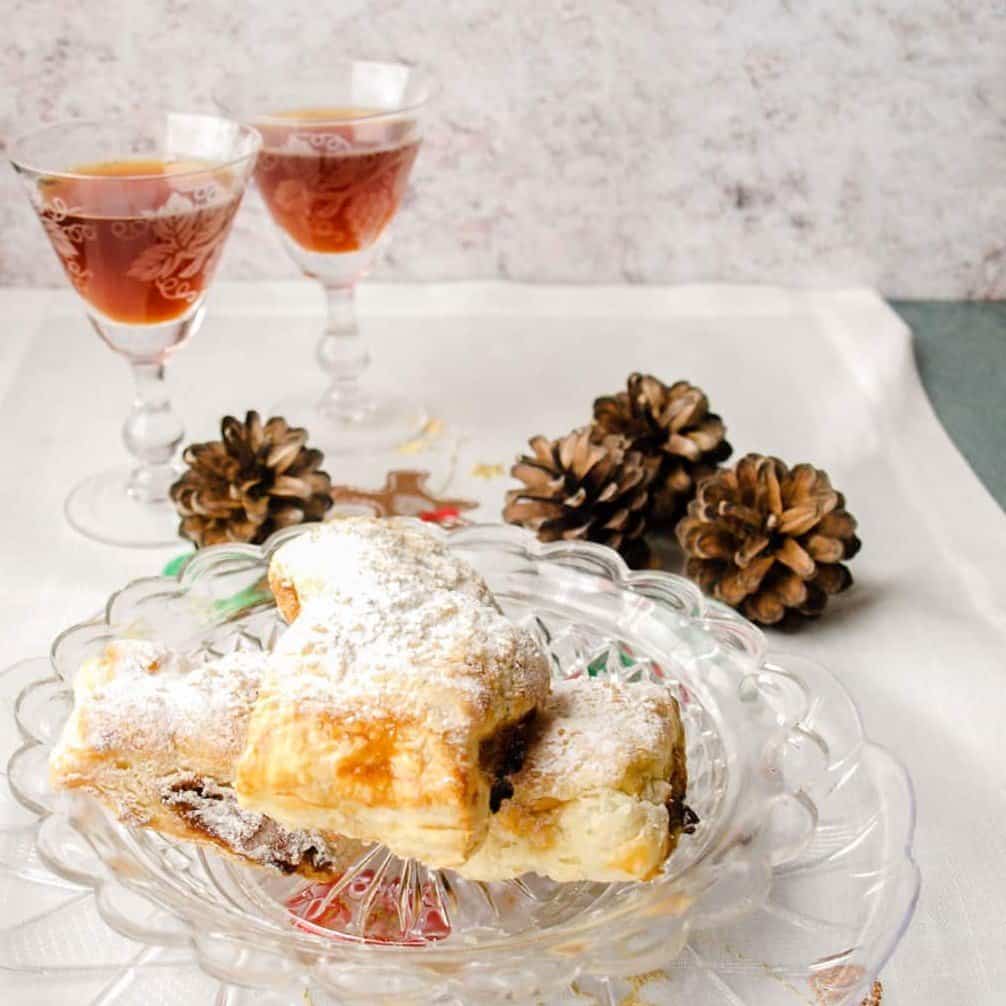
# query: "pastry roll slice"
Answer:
x=600 y=793
x=155 y=738
x=362 y=559
x=392 y=720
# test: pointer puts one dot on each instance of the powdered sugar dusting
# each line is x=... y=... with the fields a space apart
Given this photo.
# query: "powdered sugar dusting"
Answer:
x=390 y=619
x=594 y=734
x=364 y=557
x=448 y=657
x=141 y=696
x=403 y=625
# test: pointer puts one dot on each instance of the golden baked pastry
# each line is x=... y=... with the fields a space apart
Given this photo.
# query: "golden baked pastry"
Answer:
x=600 y=793
x=393 y=697
x=401 y=707
x=155 y=738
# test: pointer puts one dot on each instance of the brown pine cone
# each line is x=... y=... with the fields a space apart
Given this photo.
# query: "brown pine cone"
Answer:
x=769 y=540
x=581 y=489
x=673 y=423
x=255 y=480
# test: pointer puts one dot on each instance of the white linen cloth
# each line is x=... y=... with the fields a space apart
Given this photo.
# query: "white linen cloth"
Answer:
x=826 y=377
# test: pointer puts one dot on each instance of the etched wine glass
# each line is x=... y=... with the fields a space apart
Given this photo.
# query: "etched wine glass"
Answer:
x=337 y=151
x=138 y=212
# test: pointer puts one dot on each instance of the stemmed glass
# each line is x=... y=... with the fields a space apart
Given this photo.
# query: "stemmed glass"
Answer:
x=337 y=150
x=138 y=212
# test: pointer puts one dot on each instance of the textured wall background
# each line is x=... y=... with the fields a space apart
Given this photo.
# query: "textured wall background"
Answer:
x=789 y=141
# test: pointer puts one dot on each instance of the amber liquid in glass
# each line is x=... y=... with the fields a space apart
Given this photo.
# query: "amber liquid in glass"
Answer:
x=331 y=185
x=139 y=239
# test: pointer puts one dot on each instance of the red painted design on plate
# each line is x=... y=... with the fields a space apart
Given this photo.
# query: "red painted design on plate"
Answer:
x=448 y=516
x=388 y=921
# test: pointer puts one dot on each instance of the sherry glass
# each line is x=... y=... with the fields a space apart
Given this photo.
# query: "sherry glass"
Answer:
x=138 y=212
x=337 y=151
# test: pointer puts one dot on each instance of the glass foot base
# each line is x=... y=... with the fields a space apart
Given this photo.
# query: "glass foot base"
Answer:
x=101 y=508
x=372 y=424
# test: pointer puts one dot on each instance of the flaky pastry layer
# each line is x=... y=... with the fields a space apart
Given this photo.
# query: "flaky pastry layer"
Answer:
x=599 y=794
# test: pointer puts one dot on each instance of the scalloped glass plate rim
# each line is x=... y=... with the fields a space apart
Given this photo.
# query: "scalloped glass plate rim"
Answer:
x=690 y=604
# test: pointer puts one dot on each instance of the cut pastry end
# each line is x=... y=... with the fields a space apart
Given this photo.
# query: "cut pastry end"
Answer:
x=599 y=796
x=602 y=837
x=211 y=813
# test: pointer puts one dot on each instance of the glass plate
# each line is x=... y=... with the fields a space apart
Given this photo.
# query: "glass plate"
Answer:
x=794 y=887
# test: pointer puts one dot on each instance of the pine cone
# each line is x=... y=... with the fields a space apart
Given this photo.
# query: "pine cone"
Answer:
x=584 y=489
x=769 y=540
x=673 y=423
x=255 y=480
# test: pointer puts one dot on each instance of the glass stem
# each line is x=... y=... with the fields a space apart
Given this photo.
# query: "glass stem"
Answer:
x=152 y=432
x=343 y=356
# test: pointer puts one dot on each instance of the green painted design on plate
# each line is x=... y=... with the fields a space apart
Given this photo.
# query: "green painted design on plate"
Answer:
x=174 y=566
x=599 y=665
x=258 y=593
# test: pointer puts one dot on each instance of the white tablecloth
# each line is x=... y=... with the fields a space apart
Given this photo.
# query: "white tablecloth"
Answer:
x=824 y=377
